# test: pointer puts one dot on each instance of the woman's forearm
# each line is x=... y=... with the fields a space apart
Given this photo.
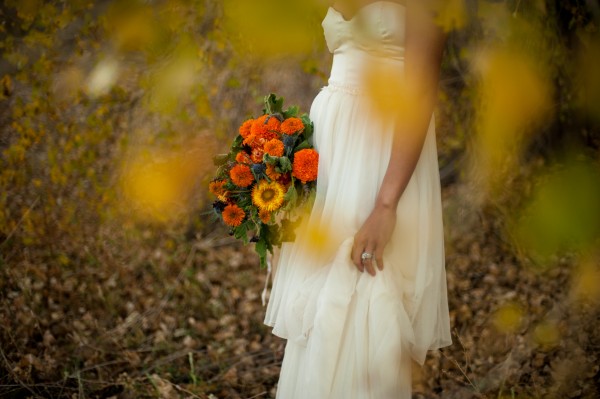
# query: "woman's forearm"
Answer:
x=423 y=53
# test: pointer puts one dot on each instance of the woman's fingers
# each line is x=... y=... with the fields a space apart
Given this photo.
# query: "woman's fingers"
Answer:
x=368 y=263
x=379 y=258
x=371 y=263
x=356 y=256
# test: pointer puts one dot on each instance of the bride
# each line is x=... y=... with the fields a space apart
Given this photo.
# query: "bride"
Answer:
x=356 y=314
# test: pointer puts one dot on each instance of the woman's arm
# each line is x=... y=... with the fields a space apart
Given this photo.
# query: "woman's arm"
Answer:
x=423 y=52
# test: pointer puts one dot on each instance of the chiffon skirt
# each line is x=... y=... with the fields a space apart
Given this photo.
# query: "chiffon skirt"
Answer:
x=352 y=335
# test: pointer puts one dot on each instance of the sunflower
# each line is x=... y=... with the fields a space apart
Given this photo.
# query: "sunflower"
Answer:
x=245 y=128
x=292 y=126
x=265 y=216
x=233 y=215
x=306 y=165
x=274 y=147
x=268 y=196
x=266 y=127
x=241 y=175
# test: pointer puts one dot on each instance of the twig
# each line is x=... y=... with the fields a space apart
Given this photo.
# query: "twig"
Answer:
x=462 y=371
x=9 y=369
x=186 y=391
x=258 y=394
x=20 y=221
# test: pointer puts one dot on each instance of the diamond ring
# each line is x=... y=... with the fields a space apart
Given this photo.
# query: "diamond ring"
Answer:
x=365 y=255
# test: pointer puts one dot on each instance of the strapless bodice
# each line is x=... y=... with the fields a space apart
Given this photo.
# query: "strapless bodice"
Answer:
x=376 y=33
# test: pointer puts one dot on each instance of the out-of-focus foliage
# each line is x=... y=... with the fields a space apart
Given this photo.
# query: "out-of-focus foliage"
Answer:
x=112 y=279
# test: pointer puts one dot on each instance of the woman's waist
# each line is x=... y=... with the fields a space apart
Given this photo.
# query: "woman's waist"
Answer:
x=353 y=71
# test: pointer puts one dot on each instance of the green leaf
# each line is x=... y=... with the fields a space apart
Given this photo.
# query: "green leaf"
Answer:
x=308 y=127
x=261 y=250
x=290 y=198
x=285 y=165
x=220 y=159
x=273 y=104
x=271 y=160
x=241 y=232
x=305 y=144
x=290 y=112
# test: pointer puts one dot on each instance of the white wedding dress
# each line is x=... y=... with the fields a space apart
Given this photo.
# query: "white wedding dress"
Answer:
x=352 y=335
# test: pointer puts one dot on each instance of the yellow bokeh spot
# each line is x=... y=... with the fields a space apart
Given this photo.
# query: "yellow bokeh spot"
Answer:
x=392 y=96
x=158 y=184
x=103 y=77
x=508 y=318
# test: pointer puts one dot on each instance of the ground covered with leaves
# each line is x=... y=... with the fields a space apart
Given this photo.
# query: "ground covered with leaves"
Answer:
x=181 y=317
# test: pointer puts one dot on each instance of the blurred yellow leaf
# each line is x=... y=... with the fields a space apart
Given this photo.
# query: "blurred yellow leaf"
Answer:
x=515 y=96
x=546 y=334
x=451 y=14
x=563 y=213
x=67 y=83
x=158 y=184
x=270 y=28
x=590 y=79
x=508 y=318
x=131 y=24
x=585 y=285
x=170 y=84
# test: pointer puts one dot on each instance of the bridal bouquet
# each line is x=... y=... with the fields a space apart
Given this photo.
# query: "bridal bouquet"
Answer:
x=268 y=173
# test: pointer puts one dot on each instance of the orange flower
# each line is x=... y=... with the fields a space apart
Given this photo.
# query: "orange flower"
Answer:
x=265 y=216
x=254 y=141
x=274 y=147
x=241 y=175
x=245 y=128
x=257 y=155
x=217 y=187
x=243 y=157
x=306 y=165
x=272 y=173
x=233 y=215
x=266 y=127
x=292 y=126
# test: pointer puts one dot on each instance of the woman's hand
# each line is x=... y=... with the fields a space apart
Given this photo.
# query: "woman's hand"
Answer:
x=372 y=238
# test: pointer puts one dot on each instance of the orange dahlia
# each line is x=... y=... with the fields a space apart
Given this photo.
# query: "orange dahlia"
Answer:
x=306 y=165
x=266 y=127
x=241 y=175
x=245 y=128
x=274 y=147
x=254 y=141
x=292 y=126
x=272 y=173
x=257 y=155
x=217 y=188
x=243 y=157
x=265 y=216
x=233 y=215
